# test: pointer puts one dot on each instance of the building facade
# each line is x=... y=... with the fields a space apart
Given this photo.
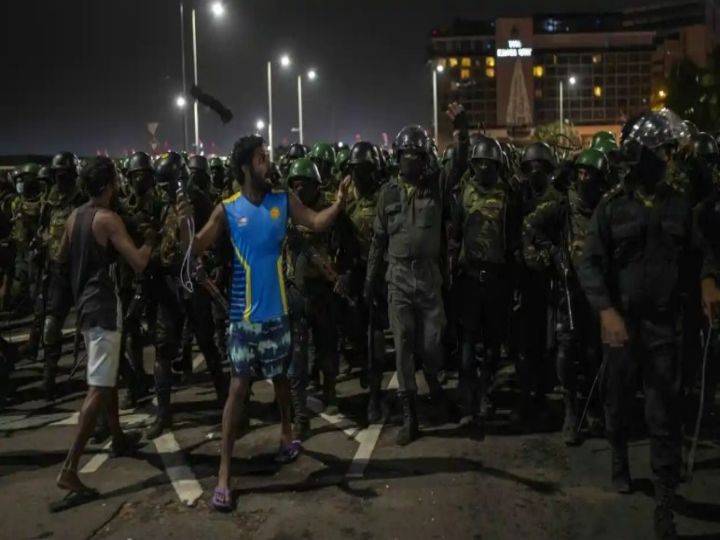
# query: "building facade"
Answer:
x=594 y=71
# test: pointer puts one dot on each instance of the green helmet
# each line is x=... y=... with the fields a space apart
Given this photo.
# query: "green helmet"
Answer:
x=601 y=136
x=606 y=146
x=592 y=159
x=185 y=156
x=323 y=152
x=216 y=163
x=28 y=169
x=342 y=158
x=305 y=169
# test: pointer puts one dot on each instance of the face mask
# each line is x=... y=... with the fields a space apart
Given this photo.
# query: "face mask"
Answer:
x=66 y=181
x=200 y=179
x=307 y=192
x=487 y=176
x=218 y=179
x=590 y=191
x=411 y=168
x=651 y=169
x=363 y=179
x=142 y=182
x=538 y=180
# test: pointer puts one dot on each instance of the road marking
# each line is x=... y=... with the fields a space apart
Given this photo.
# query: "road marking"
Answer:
x=367 y=440
x=97 y=460
x=343 y=423
x=197 y=362
x=183 y=480
x=18 y=338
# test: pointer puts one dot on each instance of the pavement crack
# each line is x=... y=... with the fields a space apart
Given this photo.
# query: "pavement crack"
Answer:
x=104 y=524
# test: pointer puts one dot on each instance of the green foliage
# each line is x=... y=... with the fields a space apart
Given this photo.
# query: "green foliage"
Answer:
x=556 y=134
x=693 y=92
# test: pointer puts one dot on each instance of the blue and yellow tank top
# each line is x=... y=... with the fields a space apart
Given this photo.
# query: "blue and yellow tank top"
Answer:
x=257 y=234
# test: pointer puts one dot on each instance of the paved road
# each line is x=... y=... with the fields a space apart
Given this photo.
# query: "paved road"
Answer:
x=351 y=483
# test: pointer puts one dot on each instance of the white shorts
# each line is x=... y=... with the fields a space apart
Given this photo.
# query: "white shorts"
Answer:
x=103 y=352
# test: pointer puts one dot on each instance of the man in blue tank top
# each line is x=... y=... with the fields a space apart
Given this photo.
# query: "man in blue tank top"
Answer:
x=259 y=328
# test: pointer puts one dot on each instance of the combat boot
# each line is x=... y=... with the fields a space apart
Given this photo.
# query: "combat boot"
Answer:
x=621 y=481
x=570 y=424
x=663 y=517
x=374 y=409
x=409 y=431
x=161 y=422
x=330 y=396
x=163 y=418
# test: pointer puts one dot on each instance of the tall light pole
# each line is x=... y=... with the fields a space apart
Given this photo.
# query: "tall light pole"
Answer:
x=195 y=108
x=312 y=75
x=284 y=62
x=184 y=78
x=181 y=103
x=438 y=69
x=572 y=80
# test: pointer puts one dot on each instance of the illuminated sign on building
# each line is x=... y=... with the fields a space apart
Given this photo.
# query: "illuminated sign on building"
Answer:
x=514 y=49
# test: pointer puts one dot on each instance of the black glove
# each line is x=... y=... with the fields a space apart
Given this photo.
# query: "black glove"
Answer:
x=460 y=122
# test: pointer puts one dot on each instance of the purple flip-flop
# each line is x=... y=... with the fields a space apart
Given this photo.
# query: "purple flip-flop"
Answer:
x=288 y=454
x=222 y=500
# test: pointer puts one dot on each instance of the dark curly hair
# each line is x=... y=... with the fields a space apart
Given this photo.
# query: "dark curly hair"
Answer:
x=97 y=173
x=243 y=152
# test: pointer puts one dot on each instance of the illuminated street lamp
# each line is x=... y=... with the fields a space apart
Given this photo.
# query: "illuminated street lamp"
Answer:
x=312 y=75
x=662 y=94
x=572 y=80
x=260 y=125
x=218 y=9
x=438 y=69
x=180 y=102
x=284 y=62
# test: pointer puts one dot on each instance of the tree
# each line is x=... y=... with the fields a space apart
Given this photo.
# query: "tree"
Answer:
x=556 y=134
x=693 y=92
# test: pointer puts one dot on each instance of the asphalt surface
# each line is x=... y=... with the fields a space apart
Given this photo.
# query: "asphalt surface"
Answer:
x=352 y=482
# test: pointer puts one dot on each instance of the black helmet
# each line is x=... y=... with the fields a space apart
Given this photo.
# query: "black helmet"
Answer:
x=296 y=151
x=690 y=127
x=199 y=163
x=655 y=129
x=382 y=163
x=487 y=148
x=363 y=152
x=412 y=138
x=139 y=161
x=448 y=154
x=170 y=168
x=64 y=161
x=538 y=151
x=44 y=174
x=704 y=144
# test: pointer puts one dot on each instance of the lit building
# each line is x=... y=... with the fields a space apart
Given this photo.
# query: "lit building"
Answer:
x=513 y=74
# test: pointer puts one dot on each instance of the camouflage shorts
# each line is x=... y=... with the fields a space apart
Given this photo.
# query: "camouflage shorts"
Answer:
x=259 y=346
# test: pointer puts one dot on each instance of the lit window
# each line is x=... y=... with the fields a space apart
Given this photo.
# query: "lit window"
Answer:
x=597 y=91
x=490 y=72
x=453 y=62
x=464 y=74
x=554 y=59
x=538 y=71
x=466 y=62
x=442 y=62
x=662 y=94
x=490 y=61
x=597 y=58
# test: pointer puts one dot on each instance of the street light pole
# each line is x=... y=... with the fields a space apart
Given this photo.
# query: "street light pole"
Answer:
x=270 y=117
x=300 y=112
x=197 y=119
x=560 y=105
x=435 y=104
x=184 y=78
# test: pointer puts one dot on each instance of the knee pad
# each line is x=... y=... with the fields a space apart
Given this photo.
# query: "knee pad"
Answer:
x=51 y=330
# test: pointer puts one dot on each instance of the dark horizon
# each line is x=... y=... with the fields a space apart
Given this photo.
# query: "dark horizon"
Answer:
x=95 y=83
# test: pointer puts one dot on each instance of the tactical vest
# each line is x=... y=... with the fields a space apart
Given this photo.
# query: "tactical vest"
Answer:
x=60 y=210
x=27 y=223
x=362 y=215
x=484 y=223
x=299 y=267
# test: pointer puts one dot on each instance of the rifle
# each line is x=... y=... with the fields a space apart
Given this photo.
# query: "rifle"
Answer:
x=319 y=262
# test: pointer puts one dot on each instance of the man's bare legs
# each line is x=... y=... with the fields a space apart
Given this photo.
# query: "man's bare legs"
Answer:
x=281 y=384
x=230 y=425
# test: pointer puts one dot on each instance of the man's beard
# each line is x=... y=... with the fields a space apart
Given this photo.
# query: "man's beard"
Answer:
x=260 y=182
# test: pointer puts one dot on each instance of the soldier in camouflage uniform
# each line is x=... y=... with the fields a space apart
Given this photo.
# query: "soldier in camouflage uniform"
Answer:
x=314 y=305
x=170 y=173
x=65 y=195
x=366 y=321
x=530 y=322
x=141 y=208
x=486 y=246
x=558 y=227
x=296 y=151
x=323 y=155
x=25 y=221
x=8 y=202
x=217 y=176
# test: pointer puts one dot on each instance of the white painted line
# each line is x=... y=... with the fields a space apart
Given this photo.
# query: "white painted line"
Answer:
x=343 y=423
x=197 y=362
x=71 y=420
x=182 y=478
x=367 y=440
x=97 y=460
x=30 y=422
x=127 y=419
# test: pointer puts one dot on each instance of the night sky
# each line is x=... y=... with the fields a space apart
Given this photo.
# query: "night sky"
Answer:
x=88 y=75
